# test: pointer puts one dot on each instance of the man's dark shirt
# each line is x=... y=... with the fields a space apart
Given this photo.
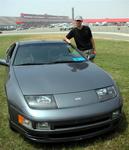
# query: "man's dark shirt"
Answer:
x=82 y=37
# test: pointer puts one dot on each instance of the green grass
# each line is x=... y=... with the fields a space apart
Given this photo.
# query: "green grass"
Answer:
x=113 y=57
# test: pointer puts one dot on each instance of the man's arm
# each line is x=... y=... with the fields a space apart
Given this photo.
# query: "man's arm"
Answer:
x=93 y=44
x=69 y=36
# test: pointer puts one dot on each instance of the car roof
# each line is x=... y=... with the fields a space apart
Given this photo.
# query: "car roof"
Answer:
x=40 y=41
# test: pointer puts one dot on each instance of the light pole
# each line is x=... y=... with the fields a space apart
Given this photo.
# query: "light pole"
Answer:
x=73 y=13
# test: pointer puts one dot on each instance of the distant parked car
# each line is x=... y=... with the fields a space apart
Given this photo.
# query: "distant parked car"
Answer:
x=66 y=28
x=55 y=94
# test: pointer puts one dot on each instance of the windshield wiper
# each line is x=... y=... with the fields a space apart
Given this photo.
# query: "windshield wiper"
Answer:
x=29 y=64
x=53 y=62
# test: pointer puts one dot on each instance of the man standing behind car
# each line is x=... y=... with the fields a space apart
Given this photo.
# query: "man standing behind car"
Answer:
x=83 y=37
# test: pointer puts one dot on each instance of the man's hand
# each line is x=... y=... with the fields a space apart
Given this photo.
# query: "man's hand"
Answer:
x=93 y=52
x=67 y=40
x=92 y=55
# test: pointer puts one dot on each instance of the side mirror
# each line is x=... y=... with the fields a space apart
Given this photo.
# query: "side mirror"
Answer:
x=3 y=62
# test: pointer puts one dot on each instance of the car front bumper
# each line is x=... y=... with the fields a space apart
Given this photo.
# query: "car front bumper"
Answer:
x=68 y=128
x=70 y=134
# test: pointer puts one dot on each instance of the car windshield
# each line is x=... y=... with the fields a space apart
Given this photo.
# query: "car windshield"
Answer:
x=46 y=53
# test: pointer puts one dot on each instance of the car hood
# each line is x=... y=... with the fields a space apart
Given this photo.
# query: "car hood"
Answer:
x=60 y=78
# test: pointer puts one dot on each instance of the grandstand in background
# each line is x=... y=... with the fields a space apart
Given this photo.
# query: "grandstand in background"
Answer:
x=26 y=21
x=33 y=20
x=8 y=23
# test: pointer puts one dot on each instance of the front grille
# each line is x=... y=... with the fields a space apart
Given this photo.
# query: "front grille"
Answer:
x=81 y=122
x=83 y=132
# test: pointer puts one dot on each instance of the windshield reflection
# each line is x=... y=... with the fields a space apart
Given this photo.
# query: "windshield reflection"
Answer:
x=78 y=66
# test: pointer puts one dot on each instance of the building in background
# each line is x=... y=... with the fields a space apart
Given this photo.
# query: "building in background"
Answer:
x=8 y=23
x=107 y=21
x=33 y=20
x=26 y=21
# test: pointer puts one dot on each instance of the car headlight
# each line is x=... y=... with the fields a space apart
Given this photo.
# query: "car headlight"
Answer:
x=106 y=93
x=41 y=102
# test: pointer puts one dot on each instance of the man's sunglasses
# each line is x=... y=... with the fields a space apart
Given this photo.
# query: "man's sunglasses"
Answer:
x=79 y=20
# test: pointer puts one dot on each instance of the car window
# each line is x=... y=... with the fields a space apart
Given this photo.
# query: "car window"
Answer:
x=46 y=53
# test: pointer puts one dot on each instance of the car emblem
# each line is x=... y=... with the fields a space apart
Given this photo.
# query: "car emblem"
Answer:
x=78 y=99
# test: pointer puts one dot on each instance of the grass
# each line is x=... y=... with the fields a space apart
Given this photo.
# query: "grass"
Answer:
x=113 y=57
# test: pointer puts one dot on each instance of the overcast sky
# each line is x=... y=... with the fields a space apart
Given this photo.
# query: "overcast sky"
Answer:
x=85 y=8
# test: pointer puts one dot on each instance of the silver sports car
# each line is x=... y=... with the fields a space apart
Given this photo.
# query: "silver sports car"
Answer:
x=54 y=94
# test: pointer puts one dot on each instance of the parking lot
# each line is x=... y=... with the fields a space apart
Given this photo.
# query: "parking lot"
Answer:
x=99 y=32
